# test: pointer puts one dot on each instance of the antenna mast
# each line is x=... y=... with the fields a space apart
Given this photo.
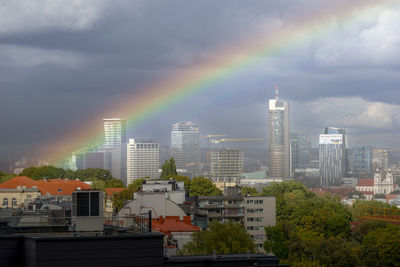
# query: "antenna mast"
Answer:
x=276 y=92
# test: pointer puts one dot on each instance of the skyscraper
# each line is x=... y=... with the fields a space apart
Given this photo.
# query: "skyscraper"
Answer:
x=142 y=159
x=185 y=143
x=279 y=137
x=332 y=156
x=361 y=160
x=114 y=132
x=300 y=150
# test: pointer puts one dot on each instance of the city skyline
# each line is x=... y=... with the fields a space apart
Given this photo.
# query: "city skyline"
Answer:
x=59 y=79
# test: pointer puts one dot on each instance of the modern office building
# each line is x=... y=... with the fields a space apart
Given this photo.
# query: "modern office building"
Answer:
x=114 y=132
x=360 y=159
x=300 y=150
x=185 y=143
x=380 y=159
x=279 y=138
x=332 y=156
x=142 y=159
x=227 y=164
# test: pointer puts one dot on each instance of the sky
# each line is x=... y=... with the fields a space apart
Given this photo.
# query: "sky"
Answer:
x=64 y=63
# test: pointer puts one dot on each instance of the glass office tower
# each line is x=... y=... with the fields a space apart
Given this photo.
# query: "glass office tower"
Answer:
x=185 y=143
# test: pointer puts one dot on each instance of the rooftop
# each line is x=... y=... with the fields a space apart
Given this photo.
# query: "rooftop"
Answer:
x=53 y=187
x=366 y=182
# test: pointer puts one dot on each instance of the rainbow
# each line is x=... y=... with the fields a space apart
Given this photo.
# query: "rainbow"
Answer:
x=161 y=95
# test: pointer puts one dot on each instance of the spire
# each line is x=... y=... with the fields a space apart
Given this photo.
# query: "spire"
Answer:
x=276 y=92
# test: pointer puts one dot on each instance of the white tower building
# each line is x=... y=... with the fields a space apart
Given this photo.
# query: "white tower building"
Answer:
x=142 y=159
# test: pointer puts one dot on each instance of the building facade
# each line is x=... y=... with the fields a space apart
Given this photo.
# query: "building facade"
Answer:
x=332 y=156
x=227 y=164
x=361 y=160
x=114 y=132
x=185 y=143
x=142 y=159
x=279 y=138
x=300 y=150
x=259 y=212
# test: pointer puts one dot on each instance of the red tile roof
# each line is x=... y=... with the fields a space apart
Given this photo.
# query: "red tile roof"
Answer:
x=53 y=187
x=111 y=191
x=173 y=224
x=366 y=182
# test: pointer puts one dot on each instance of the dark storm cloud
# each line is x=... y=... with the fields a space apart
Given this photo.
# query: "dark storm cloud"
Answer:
x=64 y=62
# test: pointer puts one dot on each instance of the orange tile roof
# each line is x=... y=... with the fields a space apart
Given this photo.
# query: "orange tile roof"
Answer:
x=53 y=187
x=173 y=224
x=366 y=182
x=111 y=191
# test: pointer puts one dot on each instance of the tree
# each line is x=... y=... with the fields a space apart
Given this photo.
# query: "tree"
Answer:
x=168 y=169
x=5 y=176
x=93 y=174
x=136 y=184
x=219 y=239
x=277 y=240
x=114 y=183
x=381 y=247
x=249 y=191
x=201 y=186
x=184 y=179
x=119 y=199
x=38 y=173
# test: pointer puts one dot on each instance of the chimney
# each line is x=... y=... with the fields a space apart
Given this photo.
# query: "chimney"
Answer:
x=187 y=220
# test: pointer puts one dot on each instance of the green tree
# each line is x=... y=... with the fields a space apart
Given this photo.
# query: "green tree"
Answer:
x=136 y=184
x=278 y=240
x=98 y=185
x=381 y=247
x=184 y=179
x=201 y=186
x=168 y=169
x=114 y=183
x=219 y=239
x=5 y=176
x=38 y=173
x=93 y=174
x=249 y=191
x=119 y=199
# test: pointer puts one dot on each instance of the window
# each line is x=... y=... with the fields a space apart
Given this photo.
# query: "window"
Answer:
x=14 y=202
x=255 y=219
x=5 y=201
x=249 y=201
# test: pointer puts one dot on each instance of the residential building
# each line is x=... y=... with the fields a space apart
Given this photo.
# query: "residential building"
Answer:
x=177 y=232
x=279 y=138
x=185 y=144
x=15 y=197
x=220 y=208
x=332 y=156
x=361 y=161
x=300 y=150
x=227 y=164
x=142 y=159
x=61 y=188
x=259 y=212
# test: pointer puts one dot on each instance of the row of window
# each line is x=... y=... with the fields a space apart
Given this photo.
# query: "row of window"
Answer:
x=255 y=210
x=253 y=228
x=13 y=201
x=255 y=201
x=146 y=146
x=255 y=219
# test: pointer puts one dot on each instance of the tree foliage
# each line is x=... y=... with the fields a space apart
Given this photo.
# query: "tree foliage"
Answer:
x=136 y=184
x=315 y=230
x=219 y=239
x=184 y=179
x=168 y=169
x=119 y=199
x=201 y=186
x=38 y=173
x=5 y=176
x=249 y=191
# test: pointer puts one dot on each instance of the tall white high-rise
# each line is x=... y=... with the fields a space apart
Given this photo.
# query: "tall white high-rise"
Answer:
x=279 y=137
x=185 y=143
x=114 y=132
x=142 y=159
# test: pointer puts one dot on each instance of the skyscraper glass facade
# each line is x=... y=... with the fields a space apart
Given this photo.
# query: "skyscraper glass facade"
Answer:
x=361 y=160
x=300 y=146
x=114 y=132
x=332 y=156
x=279 y=139
x=185 y=143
